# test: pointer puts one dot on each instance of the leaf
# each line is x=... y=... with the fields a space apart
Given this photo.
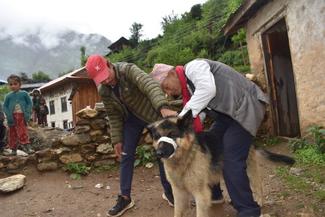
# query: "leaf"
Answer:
x=137 y=162
x=75 y=176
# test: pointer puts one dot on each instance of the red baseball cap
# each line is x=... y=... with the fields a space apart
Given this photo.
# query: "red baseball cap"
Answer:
x=97 y=68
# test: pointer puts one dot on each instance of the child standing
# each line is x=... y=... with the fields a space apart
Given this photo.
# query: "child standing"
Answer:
x=43 y=112
x=17 y=107
x=36 y=104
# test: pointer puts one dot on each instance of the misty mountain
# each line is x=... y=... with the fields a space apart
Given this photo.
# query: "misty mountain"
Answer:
x=52 y=53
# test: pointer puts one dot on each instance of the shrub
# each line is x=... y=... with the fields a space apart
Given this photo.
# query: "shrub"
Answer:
x=77 y=169
x=145 y=154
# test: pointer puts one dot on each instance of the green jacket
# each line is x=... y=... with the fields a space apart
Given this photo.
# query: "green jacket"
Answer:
x=22 y=98
x=139 y=94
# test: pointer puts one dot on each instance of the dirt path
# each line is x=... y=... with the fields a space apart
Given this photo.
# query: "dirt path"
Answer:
x=56 y=194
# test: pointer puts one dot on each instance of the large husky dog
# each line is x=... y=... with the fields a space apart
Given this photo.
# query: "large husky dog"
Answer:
x=188 y=163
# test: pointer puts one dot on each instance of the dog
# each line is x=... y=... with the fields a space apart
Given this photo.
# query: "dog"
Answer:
x=188 y=162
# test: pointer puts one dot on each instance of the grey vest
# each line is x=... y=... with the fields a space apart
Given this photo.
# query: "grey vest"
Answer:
x=237 y=97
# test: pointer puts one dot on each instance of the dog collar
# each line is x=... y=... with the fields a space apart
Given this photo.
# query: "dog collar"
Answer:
x=170 y=141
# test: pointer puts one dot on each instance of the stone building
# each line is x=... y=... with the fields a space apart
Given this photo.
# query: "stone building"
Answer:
x=286 y=46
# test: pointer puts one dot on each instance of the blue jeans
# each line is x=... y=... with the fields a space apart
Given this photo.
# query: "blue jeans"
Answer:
x=233 y=141
x=132 y=131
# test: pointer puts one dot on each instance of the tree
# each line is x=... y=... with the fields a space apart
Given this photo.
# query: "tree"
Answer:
x=83 y=57
x=4 y=90
x=135 y=29
x=40 y=76
x=196 y=12
x=24 y=78
x=169 y=19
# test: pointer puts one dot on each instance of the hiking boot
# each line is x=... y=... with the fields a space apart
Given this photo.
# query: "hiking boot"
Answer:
x=169 y=199
x=121 y=206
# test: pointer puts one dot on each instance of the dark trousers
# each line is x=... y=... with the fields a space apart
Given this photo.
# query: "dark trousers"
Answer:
x=233 y=141
x=132 y=131
x=2 y=135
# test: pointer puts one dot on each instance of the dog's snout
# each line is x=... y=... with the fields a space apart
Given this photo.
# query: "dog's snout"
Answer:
x=164 y=150
x=159 y=153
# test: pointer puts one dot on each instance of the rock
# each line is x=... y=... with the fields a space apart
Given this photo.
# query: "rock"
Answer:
x=70 y=140
x=101 y=139
x=62 y=150
x=12 y=183
x=99 y=185
x=46 y=155
x=104 y=148
x=75 y=139
x=87 y=113
x=149 y=165
x=47 y=166
x=296 y=171
x=95 y=133
x=17 y=163
x=5 y=159
x=98 y=124
x=83 y=122
x=70 y=158
x=81 y=129
x=104 y=163
x=91 y=157
x=87 y=148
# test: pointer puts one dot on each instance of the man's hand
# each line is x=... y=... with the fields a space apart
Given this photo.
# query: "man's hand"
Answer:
x=167 y=112
x=118 y=150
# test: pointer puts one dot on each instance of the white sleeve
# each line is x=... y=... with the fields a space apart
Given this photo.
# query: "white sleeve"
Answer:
x=198 y=71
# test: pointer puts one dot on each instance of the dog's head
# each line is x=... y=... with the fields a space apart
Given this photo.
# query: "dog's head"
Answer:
x=172 y=135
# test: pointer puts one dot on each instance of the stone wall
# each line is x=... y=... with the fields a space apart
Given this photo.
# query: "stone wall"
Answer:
x=88 y=143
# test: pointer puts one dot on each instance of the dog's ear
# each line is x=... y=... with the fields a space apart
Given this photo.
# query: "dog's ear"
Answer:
x=186 y=121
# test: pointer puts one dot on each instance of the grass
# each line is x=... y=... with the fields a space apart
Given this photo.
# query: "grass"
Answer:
x=309 y=184
x=105 y=168
x=77 y=170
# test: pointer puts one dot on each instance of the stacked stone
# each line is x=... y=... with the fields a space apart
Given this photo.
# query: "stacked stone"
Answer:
x=90 y=140
x=88 y=143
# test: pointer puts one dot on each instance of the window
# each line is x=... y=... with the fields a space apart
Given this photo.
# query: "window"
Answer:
x=65 y=124
x=64 y=107
x=53 y=124
x=52 y=108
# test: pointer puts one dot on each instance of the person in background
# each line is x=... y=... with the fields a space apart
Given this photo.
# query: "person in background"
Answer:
x=17 y=106
x=43 y=112
x=132 y=99
x=237 y=107
x=2 y=129
x=36 y=97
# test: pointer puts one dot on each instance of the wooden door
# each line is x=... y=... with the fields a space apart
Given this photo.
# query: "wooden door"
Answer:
x=281 y=80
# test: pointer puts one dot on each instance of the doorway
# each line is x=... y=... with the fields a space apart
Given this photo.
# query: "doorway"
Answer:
x=281 y=80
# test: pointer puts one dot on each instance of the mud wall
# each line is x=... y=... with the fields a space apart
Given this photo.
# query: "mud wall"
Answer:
x=306 y=32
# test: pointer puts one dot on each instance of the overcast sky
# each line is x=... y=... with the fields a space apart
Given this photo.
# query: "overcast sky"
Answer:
x=111 y=18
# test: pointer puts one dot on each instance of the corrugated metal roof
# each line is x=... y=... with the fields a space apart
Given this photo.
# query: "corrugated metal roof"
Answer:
x=240 y=17
x=76 y=73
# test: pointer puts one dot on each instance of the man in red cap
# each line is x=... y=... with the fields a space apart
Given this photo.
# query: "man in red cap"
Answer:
x=132 y=100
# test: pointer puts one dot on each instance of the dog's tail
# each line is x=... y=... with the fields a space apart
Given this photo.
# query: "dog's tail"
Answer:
x=276 y=157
